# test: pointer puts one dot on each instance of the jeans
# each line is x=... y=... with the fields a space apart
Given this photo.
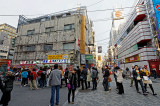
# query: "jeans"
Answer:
x=94 y=83
x=141 y=83
x=57 y=87
x=85 y=81
x=24 y=81
x=5 y=98
x=42 y=83
x=145 y=86
x=105 y=83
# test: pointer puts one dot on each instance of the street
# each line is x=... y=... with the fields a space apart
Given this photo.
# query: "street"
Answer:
x=23 y=96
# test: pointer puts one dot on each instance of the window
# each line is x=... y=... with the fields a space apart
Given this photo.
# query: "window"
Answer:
x=30 y=32
x=48 y=47
x=30 y=48
x=49 y=29
x=2 y=51
x=3 y=57
x=1 y=42
x=68 y=27
x=68 y=46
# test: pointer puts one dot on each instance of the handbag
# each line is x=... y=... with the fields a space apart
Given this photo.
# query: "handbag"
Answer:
x=81 y=77
x=145 y=78
x=109 y=79
x=69 y=86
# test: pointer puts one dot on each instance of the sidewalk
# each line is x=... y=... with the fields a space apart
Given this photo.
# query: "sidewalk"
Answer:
x=102 y=98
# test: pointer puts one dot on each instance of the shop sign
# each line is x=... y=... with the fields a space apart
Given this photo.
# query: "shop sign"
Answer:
x=156 y=5
x=56 y=61
x=132 y=59
x=89 y=57
x=9 y=64
x=53 y=57
x=83 y=60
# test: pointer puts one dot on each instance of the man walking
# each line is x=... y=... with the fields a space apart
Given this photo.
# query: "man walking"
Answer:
x=105 y=76
x=115 y=71
x=84 y=77
x=138 y=79
x=78 y=74
x=94 y=78
x=55 y=82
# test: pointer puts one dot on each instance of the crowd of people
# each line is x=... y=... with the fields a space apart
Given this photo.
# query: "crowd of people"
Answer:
x=74 y=79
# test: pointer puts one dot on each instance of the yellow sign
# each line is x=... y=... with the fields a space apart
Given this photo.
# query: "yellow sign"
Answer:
x=52 y=57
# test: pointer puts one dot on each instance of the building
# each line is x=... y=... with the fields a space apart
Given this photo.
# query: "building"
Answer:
x=132 y=39
x=7 y=41
x=55 y=38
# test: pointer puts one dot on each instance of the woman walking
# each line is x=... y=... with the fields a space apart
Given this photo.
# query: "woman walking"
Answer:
x=72 y=85
x=119 y=81
x=88 y=77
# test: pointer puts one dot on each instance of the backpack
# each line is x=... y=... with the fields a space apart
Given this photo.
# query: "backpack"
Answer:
x=31 y=76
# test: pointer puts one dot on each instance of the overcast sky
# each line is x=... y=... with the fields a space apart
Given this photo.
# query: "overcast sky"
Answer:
x=31 y=7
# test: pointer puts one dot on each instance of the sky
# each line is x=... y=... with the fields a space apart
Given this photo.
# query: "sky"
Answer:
x=33 y=7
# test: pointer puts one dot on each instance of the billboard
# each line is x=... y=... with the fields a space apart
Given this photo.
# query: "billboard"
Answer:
x=99 y=49
x=156 y=5
x=53 y=57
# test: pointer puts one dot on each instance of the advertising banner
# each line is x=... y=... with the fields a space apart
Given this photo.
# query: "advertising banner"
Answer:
x=53 y=57
x=9 y=64
x=132 y=59
x=99 y=49
x=156 y=5
x=83 y=60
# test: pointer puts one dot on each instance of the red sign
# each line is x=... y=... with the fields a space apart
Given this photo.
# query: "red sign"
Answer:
x=71 y=68
x=132 y=59
x=9 y=64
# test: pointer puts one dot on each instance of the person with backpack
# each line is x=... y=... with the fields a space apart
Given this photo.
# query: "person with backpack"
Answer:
x=94 y=75
x=33 y=77
x=8 y=86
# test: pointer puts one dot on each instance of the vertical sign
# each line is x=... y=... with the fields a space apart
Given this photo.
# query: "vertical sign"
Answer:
x=99 y=49
x=9 y=64
x=156 y=5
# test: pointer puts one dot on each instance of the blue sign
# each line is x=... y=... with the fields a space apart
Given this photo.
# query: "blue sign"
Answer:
x=156 y=5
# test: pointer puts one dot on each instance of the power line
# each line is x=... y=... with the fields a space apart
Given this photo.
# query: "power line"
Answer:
x=95 y=3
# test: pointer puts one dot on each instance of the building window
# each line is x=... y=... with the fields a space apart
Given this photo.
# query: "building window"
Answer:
x=2 y=51
x=48 y=47
x=49 y=29
x=30 y=32
x=69 y=27
x=30 y=48
x=1 y=42
x=3 y=57
x=13 y=42
x=68 y=46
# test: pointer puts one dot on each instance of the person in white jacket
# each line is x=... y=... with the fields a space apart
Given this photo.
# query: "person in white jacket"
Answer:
x=119 y=81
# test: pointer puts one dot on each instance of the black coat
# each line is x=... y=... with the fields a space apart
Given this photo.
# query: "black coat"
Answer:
x=73 y=80
x=135 y=74
x=66 y=74
x=1 y=84
x=106 y=73
x=8 y=83
x=84 y=74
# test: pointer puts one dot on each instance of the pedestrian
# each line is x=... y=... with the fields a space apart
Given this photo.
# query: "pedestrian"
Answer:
x=115 y=71
x=88 y=77
x=147 y=80
x=47 y=76
x=138 y=75
x=8 y=86
x=55 y=82
x=72 y=85
x=78 y=74
x=154 y=73
x=127 y=73
x=62 y=79
x=105 y=76
x=24 y=77
x=131 y=75
x=94 y=78
x=120 y=81
x=33 y=78
x=66 y=75
x=39 y=76
x=109 y=81
x=84 y=77
x=43 y=78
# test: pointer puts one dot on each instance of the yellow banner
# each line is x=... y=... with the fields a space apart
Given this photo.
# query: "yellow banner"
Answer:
x=52 y=57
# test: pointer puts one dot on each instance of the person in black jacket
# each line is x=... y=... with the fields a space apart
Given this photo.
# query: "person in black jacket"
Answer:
x=1 y=84
x=84 y=77
x=105 y=76
x=138 y=75
x=78 y=74
x=94 y=78
x=73 y=85
x=8 y=81
x=43 y=78
x=66 y=75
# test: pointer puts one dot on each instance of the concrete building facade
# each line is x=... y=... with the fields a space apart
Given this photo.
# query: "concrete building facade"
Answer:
x=7 y=41
x=61 y=33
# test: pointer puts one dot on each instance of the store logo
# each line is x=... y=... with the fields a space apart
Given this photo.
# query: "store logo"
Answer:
x=158 y=7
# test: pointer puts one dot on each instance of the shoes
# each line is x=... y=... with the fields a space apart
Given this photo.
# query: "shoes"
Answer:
x=139 y=92
x=145 y=94
x=154 y=94
x=56 y=104
x=72 y=102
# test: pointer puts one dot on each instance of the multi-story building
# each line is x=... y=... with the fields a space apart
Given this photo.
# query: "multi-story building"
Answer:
x=7 y=41
x=132 y=44
x=68 y=33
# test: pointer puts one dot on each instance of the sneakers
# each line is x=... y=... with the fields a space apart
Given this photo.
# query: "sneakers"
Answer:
x=145 y=94
x=154 y=94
